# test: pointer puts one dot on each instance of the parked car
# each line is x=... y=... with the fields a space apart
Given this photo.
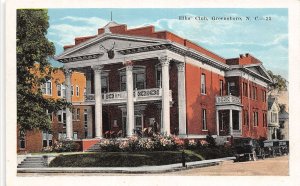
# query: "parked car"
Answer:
x=284 y=146
x=276 y=147
x=248 y=149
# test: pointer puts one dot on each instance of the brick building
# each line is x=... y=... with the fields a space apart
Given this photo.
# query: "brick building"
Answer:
x=130 y=78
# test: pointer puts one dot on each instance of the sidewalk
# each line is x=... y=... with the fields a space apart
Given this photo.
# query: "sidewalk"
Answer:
x=142 y=169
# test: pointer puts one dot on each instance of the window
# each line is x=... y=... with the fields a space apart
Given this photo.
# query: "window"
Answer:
x=77 y=90
x=49 y=115
x=78 y=114
x=139 y=81
x=72 y=90
x=47 y=88
x=61 y=115
x=47 y=138
x=204 y=124
x=273 y=117
x=85 y=118
x=232 y=88
x=255 y=93
x=250 y=92
x=104 y=84
x=221 y=87
x=264 y=119
x=255 y=118
x=245 y=89
x=61 y=90
x=246 y=117
x=264 y=96
x=203 y=84
x=62 y=135
x=123 y=82
x=58 y=90
x=75 y=135
x=84 y=91
x=22 y=140
x=73 y=114
x=158 y=78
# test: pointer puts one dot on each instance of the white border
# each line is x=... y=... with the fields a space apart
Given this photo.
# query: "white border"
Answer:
x=294 y=83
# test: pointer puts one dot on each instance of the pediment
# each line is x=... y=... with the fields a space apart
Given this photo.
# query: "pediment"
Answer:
x=259 y=70
x=98 y=47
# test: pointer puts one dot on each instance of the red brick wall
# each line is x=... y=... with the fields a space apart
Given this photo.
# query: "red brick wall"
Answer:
x=196 y=101
x=243 y=60
x=33 y=142
x=255 y=105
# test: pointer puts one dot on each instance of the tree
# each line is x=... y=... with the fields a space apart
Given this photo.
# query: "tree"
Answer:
x=34 y=69
x=279 y=84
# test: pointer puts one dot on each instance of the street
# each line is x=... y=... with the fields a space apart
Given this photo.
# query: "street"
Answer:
x=278 y=166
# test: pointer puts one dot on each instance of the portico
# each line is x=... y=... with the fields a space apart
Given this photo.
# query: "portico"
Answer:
x=133 y=68
x=229 y=116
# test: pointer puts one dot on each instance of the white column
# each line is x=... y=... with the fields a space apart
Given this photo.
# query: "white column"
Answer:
x=181 y=98
x=69 y=126
x=130 y=103
x=88 y=76
x=217 y=121
x=230 y=121
x=165 y=61
x=240 y=121
x=98 y=100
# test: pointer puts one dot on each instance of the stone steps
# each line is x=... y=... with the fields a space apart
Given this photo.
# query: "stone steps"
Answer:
x=94 y=148
x=32 y=162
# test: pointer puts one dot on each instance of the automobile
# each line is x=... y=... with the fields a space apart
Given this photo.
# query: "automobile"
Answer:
x=284 y=146
x=248 y=149
x=274 y=147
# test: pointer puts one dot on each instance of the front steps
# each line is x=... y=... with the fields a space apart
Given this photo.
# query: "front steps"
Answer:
x=33 y=162
x=94 y=148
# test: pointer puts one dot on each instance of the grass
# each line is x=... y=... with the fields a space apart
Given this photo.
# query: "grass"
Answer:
x=122 y=159
x=135 y=159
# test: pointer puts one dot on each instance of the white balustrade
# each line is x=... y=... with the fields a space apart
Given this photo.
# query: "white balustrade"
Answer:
x=227 y=100
x=139 y=95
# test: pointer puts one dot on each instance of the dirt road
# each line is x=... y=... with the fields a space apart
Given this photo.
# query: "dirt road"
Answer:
x=269 y=167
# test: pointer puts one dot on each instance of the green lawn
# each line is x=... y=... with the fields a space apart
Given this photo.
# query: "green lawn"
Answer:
x=135 y=159
x=122 y=159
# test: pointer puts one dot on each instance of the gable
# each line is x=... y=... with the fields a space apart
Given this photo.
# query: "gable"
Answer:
x=101 y=44
x=259 y=70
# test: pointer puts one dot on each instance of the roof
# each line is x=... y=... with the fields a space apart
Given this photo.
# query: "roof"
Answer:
x=271 y=101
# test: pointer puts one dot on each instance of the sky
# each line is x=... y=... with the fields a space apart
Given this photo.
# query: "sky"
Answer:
x=264 y=34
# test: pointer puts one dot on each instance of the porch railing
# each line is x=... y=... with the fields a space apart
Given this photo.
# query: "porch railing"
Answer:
x=220 y=100
x=138 y=95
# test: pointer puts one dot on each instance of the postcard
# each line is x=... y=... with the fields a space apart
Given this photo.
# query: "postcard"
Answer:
x=143 y=93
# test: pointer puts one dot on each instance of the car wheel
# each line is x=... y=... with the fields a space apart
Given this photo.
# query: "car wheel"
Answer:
x=263 y=155
x=254 y=156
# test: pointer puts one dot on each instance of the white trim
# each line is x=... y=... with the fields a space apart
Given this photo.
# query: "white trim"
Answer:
x=237 y=72
x=46 y=87
x=105 y=36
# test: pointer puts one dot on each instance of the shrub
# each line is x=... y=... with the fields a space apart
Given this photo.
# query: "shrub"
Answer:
x=210 y=140
x=134 y=143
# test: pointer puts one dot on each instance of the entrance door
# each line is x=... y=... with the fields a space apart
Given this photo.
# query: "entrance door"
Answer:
x=105 y=122
x=138 y=123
